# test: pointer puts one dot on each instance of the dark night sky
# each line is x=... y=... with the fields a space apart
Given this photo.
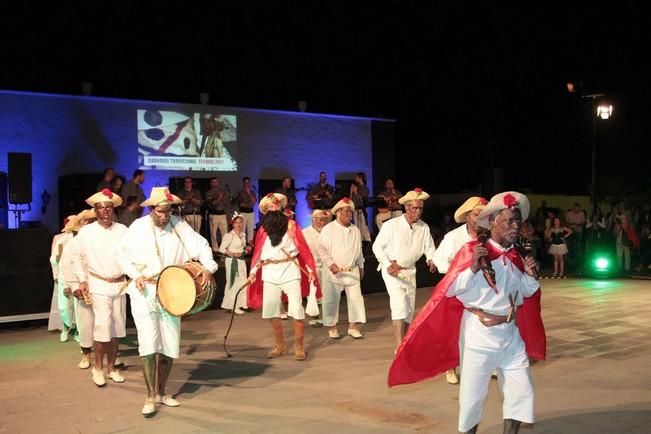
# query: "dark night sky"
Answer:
x=461 y=80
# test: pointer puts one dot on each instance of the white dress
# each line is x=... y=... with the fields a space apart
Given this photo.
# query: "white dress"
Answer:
x=236 y=274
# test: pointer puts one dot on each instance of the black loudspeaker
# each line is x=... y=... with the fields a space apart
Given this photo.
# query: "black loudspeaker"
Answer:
x=20 y=177
x=73 y=192
x=25 y=272
x=4 y=203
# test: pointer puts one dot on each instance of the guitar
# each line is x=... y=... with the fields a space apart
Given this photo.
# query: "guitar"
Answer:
x=319 y=198
x=385 y=203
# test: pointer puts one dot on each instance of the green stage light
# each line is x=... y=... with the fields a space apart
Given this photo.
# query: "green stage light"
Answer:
x=601 y=263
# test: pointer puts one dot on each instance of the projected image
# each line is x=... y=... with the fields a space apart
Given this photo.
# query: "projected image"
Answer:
x=186 y=141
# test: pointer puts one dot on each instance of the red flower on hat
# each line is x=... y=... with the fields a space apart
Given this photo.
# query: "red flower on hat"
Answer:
x=345 y=200
x=483 y=201
x=169 y=196
x=270 y=195
x=107 y=192
x=325 y=213
x=418 y=190
x=510 y=200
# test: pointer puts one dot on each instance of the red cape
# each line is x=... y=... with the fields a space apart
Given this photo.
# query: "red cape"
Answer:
x=305 y=260
x=431 y=345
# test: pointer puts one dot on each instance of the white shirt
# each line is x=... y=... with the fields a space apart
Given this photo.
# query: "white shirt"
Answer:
x=311 y=236
x=58 y=241
x=473 y=290
x=70 y=250
x=341 y=245
x=451 y=244
x=283 y=272
x=404 y=243
x=98 y=247
x=146 y=249
x=233 y=242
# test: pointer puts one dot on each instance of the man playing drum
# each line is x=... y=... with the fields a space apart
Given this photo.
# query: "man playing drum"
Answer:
x=152 y=243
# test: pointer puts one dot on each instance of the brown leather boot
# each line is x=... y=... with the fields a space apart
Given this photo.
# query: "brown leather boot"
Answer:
x=280 y=348
x=511 y=426
x=299 y=334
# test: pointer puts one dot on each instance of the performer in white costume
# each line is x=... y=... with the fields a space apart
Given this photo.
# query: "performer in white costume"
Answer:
x=489 y=336
x=55 y=321
x=320 y=217
x=340 y=250
x=454 y=240
x=96 y=268
x=84 y=318
x=400 y=243
x=234 y=247
x=152 y=243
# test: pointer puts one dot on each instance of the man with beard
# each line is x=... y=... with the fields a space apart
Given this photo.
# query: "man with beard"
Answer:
x=152 y=243
x=96 y=267
x=466 y=310
x=281 y=263
x=400 y=243
x=454 y=241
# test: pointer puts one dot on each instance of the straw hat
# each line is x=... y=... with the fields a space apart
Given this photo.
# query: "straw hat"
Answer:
x=343 y=203
x=415 y=194
x=105 y=195
x=474 y=202
x=72 y=223
x=320 y=214
x=502 y=201
x=271 y=199
x=161 y=196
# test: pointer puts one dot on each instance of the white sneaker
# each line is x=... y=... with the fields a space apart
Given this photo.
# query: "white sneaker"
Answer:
x=116 y=376
x=239 y=312
x=98 y=378
x=355 y=334
x=149 y=408
x=283 y=316
x=167 y=400
x=451 y=377
x=65 y=334
x=333 y=334
x=85 y=362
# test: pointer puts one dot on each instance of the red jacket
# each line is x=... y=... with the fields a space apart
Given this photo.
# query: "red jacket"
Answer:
x=305 y=260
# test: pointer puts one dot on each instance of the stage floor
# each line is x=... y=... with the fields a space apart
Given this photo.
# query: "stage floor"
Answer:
x=596 y=379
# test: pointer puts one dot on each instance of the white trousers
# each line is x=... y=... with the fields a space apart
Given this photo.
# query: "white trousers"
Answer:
x=402 y=294
x=330 y=303
x=381 y=217
x=158 y=331
x=54 y=321
x=194 y=220
x=85 y=323
x=110 y=317
x=514 y=380
x=66 y=307
x=271 y=299
x=217 y=222
x=247 y=222
x=232 y=287
x=360 y=222
x=623 y=257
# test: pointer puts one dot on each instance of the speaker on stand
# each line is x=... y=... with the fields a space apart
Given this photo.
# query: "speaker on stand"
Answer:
x=20 y=183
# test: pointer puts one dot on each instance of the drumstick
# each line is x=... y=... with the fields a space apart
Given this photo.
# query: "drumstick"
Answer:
x=237 y=294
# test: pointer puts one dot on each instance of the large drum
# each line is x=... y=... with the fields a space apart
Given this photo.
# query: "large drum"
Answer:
x=181 y=290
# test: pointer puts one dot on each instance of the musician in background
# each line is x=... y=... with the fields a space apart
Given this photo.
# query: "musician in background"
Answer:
x=400 y=243
x=134 y=188
x=287 y=191
x=192 y=201
x=359 y=196
x=217 y=200
x=391 y=207
x=321 y=195
x=245 y=199
x=130 y=212
x=454 y=241
x=152 y=243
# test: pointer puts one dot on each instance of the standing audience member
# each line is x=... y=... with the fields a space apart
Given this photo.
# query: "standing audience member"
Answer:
x=576 y=219
x=626 y=241
x=558 y=248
